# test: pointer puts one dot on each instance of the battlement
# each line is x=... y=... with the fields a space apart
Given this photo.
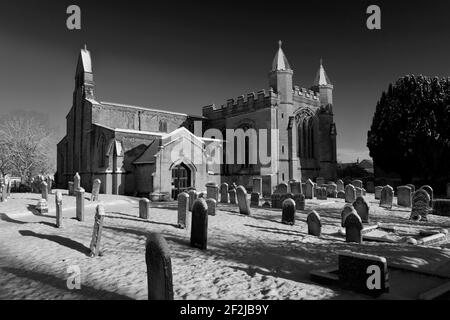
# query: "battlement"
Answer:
x=307 y=93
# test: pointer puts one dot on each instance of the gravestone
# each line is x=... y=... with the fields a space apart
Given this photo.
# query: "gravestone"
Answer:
x=314 y=224
x=413 y=187
x=97 y=231
x=254 y=199
x=309 y=189
x=362 y=208
x=296 y=187
x=320 y=181
x=59 y=211
x=420 y=205
x=357 y=183
x=341 y=194
x=332 y=190
x=321 y=193
x=4 y=194
x=288 y=212
x=76 y=181
x=299 y=199
x=257 y=185
x=192 y=197
x=212 y=191
x=243 y=201
x=232 y=194
x=387 y=195
x=199 y=224
x=286 y=196
x=144 y=208
x=211 y=203
x=348 y=210
x=275 y=198
x=350 y=193
x=282 y=188
x=159 y=268
x=95 y=189
x=404 y=196
x=428 y=189
x=44 y=190
x=79 y=193
x=378 y=192
x=49 y=184
x=70 y=187
x=370 y=187
x=359 y=192
x=183 y=203
x=224 y=193
x=42 y=206
x=353 y=227
x=266 y=185
x=340 y=185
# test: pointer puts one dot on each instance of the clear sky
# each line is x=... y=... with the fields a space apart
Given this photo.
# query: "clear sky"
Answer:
x=181 y=56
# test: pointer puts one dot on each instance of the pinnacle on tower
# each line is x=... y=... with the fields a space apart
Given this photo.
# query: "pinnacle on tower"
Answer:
x=280 y=61
x=321 y=76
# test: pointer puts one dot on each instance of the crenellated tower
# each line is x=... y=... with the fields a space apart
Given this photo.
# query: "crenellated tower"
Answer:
x=280 y=76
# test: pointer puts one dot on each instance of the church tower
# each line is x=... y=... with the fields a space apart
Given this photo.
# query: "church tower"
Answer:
x=84 y=78
x=322 y=84
x=280 y=76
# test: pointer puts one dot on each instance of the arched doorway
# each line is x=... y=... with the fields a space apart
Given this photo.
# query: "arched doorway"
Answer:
x=181 y=179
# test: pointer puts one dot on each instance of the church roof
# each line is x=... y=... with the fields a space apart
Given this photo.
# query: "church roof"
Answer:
x=321 y=76
x=280 y=61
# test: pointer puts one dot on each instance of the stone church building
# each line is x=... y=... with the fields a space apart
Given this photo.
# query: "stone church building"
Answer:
x=134 y=150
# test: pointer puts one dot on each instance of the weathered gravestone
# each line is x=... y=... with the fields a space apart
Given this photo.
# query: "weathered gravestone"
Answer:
x=332 y=190
x=286 y=196
x=321 y=193
x=76 y=181
x=183 y=203
x=257 y=185
x=243 y=201
x=59 y=211
x=357 y=183
x=348 y=209
x=192 y=197
x=44 y=190
x=370 y=187
x=320 y=181
x=362 y=208
x=199 y=224
x=364 y=273
x=70 y=187
x=97 y=231
x=359 y=192
x=266 y=185
x=353 y=227
x=211 y=203
x=378 y=192
x=288 y=213
x=314 y=224
x=413 y=187
x=144 y=208
x=429 y=190
x=95 y=189
x=350 y=193
x=254 y=199
x=49 y=184
x=212 y=191
x=275 y=198
x=79 y=193
x=420 y=205
x=341 y=194
x=299 y=199
x=224 y=193
x=387 y=195
x=159 y=268
x=404 y=196
x=232 y=194
x=282 y=188
x=340 y=185
x=42 y=206
x=296 y=187
x=309 y=189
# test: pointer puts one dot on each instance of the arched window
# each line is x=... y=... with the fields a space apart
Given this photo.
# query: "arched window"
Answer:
x=305 y=137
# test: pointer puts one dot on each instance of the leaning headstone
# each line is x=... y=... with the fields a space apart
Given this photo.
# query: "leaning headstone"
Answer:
x=387 y=195
x=353 y=227
x=159 y=268
x=299 y=199
x=362 y=208
x=76 y=181
x=428 y=189
x=199 y=224
x=79 y=193
x=288 y=213
x=370 y=187
x=378 y=192
x=314 y=224
x=340 y=185
x=212 y=191
x=183 y=203
x=309 y=189
x=192 y=197
x=296 y=187
x=144 y=208
x=350 y=193
x=59 y=211
x=420 y=205
x=320 y=181
x=243 y=201
x=254 y=199
x=341 y=194
x=357 y=183
x=97 y=231
x=282 y=188
x=211 y=203
x=44 y=190
x=348 y=209
x=95 y=189
x=275 y=198
x=257 y=185
x=404 y=196
x=70 y=187
x=232 y=194
x=224 y=193
x=42 y=206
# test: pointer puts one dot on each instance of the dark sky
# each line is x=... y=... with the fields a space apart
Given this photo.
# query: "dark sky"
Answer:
x=181 y=56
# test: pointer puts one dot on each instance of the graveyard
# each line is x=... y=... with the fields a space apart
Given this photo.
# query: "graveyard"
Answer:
x=233 y=245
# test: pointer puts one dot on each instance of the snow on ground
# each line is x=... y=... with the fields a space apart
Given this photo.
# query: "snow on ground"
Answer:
x=248 y=257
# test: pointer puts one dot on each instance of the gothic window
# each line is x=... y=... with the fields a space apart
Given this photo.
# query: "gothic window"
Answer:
x=305 y=137
x=247 y=152
x=162 y=126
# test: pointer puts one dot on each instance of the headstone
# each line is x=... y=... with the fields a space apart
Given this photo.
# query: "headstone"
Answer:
x=353 y=227
x=42 y=206
x=97 y=231
x=224 y=193
x=4 y=193
x=159 y=268
x=320 y=181
x=359 y=192
x=199 y=224
x=420 y=205
x=413 y=187
x=296 y=187
x=378 y=192
x=211 y=203
x=370 y=187
x=59 y=211
x=266 y=185
x=309 y=189
x=275 y=198
x=79 y=193
x=95 y=189
x=404 y=196
x=232 y=194
x=254 y=199
x=387 y=195
x=286 y=196
x=76 y=181
x=428 y=189
x=192 y=197
x=212 y=191
x=44 y=190
x=340 y=185
x=314 y=224
x=332 y=190
x=257 y=185
x=144 y=208
x=243 y=201
x=321 y=193
x=357 y=183
x=350 y=193
x=362 y=208
x=341 y=194
x=288 y=213
x=348 y=209
x=70 y=187
x=282 y=188
x=183 y=203
x=299 y=199
x=49 y=184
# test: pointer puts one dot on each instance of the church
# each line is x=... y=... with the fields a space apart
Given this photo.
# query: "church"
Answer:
x=135 y=150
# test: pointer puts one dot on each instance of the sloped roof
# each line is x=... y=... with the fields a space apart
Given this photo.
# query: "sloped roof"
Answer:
x=280 y=61
x=86 y=60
